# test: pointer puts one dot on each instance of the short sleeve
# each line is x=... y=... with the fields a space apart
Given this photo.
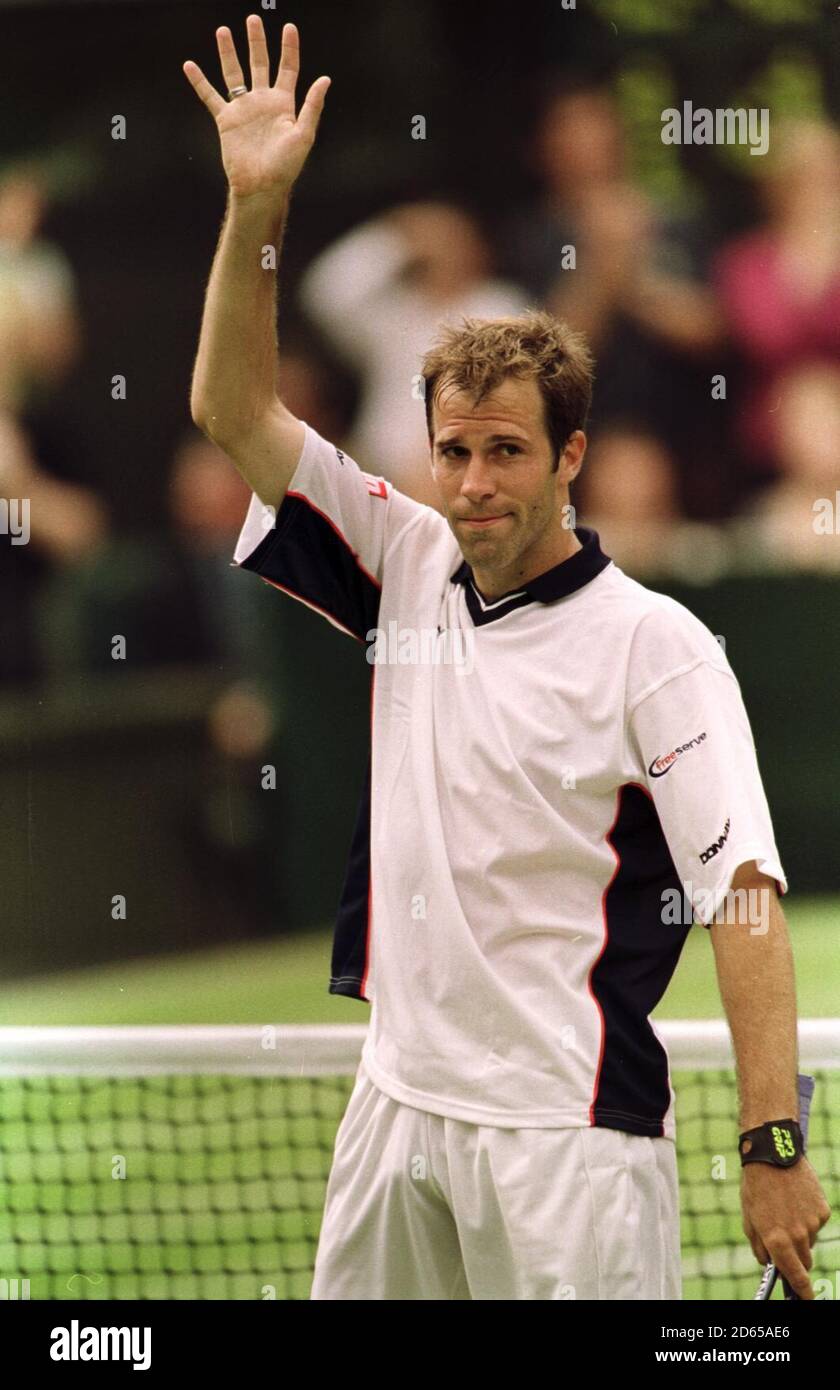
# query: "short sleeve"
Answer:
x=689 y=730
x=327 y=544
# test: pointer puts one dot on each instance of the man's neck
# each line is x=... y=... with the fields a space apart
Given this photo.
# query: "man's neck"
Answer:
x=493 y=584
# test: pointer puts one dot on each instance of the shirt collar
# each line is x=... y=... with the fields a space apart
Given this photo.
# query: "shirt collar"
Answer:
x=558 y=582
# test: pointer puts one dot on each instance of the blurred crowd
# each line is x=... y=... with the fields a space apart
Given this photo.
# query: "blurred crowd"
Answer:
x=718 y=358
x=712 y=434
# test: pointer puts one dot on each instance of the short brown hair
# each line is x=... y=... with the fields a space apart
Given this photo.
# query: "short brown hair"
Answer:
x=478 y=354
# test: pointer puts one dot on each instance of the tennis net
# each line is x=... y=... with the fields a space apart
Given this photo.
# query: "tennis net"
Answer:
x=191 y=1162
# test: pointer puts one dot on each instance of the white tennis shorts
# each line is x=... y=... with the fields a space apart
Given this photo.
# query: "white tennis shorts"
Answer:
x=419 y=1206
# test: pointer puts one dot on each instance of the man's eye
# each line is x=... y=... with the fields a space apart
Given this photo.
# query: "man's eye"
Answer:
x=458 y=449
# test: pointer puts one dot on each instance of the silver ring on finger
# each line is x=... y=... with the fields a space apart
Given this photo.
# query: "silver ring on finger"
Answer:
x=236 y=92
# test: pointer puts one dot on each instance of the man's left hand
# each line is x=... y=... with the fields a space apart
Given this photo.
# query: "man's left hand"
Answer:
x=784 y=1210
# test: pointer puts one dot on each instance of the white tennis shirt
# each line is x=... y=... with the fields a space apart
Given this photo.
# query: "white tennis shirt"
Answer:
x=557 y=778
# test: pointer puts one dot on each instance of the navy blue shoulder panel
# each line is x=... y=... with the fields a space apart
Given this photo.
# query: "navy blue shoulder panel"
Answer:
x=631 y=975
x=308 y=557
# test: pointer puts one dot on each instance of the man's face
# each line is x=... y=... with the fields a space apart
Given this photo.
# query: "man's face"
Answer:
x=492 y=464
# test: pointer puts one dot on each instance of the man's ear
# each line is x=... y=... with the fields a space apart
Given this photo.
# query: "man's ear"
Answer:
x=571 y=460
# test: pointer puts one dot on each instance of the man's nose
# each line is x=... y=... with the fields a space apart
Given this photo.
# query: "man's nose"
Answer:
x=478 y=476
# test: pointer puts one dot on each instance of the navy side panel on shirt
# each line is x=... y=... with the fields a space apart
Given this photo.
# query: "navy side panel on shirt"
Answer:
x=305 y=555
x=633 y=971
x=350 y=943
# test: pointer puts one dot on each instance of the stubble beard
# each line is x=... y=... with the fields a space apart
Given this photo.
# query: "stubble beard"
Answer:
x=498 y=556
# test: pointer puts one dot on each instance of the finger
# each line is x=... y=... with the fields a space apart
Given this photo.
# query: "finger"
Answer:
x=790 y=1266
x=802 y=1287
x=231 y=71
x=756 y=1243
x=310 y=112
x=759 y=1249
x=287 y=73
x=257 y=51
x=206 y=91
x=801 y=1242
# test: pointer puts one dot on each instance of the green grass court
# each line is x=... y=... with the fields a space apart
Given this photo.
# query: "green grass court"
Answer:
x=286 y=982
x=225 y=1175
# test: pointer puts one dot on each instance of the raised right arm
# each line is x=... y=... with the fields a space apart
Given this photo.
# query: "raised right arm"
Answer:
x=264 y=146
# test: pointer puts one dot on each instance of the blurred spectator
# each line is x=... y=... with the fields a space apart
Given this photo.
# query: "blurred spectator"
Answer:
x=630 y=495
x=236 y=832
x=67 y=523
x=208 y=502
x=379 y=295
x=66 y=530
x=780 y=285
x=39 y=325
x=631 y=498
x=20 y=571
x=39 y=341
x=786 y=527
x=315 y=387
x=228 y=830
x=634 y=268
x=637 y=287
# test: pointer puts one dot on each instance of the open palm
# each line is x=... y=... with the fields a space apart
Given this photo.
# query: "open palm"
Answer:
x=264 y=145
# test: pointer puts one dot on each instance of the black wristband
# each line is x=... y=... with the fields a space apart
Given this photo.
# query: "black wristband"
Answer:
x=778 y=1142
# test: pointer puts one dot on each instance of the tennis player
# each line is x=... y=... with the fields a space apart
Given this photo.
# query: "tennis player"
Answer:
x=562 y=779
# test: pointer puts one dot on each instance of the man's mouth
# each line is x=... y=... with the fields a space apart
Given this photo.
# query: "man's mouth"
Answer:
x=481 y=521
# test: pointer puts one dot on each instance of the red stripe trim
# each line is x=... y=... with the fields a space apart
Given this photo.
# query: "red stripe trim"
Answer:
x=308 y=500
x=646 y=790
x=600 y=954
x=366 y=971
